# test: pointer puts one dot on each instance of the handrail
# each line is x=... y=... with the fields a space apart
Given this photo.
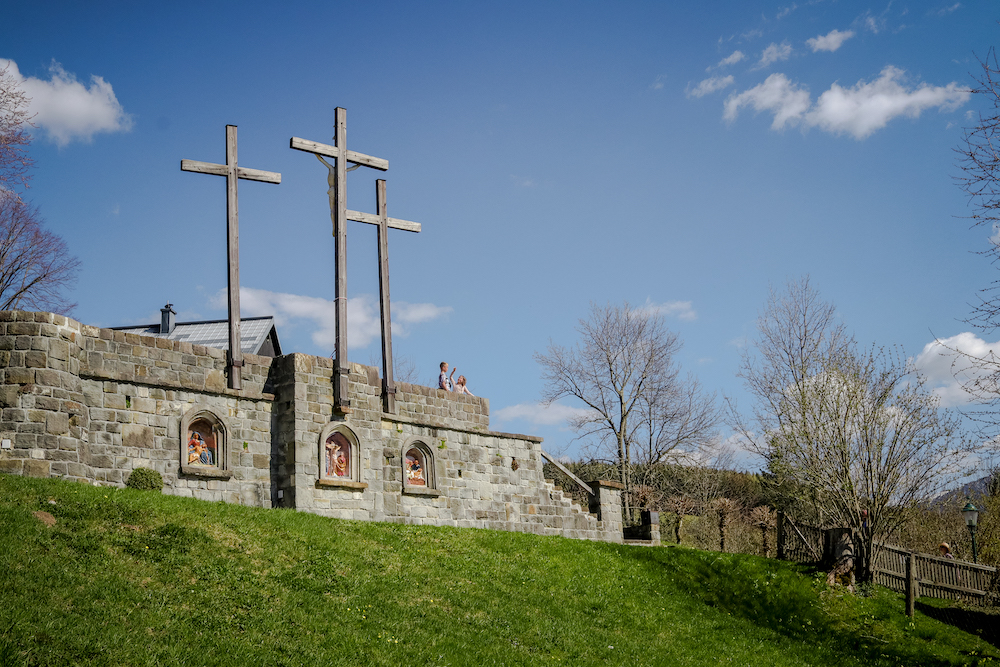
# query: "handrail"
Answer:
x=564 y=470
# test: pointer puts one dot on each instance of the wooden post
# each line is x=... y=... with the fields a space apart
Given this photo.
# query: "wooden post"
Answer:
x=781 y=535
x=388 y=383
x=235 y=353
x=912 y=586
x=339 y=213
x=233 y=172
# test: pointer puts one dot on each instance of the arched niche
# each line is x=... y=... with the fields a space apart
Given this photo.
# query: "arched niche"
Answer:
x=339 y=458
x=419 y=470
x=204 y=444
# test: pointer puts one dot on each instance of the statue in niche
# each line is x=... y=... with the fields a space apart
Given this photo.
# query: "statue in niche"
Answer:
x=202 y=447
x=415 y=468
x=337 y=456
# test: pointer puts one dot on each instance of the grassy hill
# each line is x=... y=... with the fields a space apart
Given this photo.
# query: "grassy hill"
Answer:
x=129 y=577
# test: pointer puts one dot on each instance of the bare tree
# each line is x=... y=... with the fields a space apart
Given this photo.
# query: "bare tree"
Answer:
x=35 y=265
x=856 y=428
x=624 y=372
x=14 y=136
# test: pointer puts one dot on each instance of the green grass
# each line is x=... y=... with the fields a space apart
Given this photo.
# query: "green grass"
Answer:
x=130 y=577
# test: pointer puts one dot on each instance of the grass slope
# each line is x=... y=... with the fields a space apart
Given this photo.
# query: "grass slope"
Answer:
x=136 y=578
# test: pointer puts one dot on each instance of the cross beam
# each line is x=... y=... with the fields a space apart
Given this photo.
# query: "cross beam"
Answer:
x=337 y=192
x=233 y=172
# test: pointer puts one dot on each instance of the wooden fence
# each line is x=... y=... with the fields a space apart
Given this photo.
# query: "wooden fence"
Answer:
x=932 y=577
x=798 y=542
x=936 y=577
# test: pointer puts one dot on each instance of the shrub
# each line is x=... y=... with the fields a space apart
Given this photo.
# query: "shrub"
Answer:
x=144 y=478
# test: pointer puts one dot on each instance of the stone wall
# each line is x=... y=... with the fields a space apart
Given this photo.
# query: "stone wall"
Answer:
x=92 y=404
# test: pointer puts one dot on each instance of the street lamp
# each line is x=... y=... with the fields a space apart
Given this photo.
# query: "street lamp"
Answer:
x=971 y=514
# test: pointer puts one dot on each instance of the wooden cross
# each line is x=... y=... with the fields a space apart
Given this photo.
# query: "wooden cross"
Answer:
x=339 y=213
x=233 y=172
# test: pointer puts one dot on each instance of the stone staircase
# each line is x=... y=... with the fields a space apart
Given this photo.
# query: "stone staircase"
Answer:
x=560 y=499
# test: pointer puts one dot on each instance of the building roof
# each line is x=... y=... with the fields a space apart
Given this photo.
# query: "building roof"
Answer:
x=257 y=334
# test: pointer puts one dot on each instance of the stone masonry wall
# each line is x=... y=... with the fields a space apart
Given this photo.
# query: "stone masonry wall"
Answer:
x=92 y=404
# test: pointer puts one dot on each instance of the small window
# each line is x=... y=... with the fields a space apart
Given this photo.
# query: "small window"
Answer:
x=418 y=469
x=204 y=444
x=339 y=458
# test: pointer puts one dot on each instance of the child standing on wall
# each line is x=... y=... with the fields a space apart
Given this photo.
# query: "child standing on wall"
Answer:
x=444 y=380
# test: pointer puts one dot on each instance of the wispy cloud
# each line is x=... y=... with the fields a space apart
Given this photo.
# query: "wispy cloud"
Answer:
x=785 y=11
x=774 y=53
x=538 y=414
x=711 y=85
x=682 y=310
x=858 y=111
x=521 y=181
x=659 y=83
x=874 y=23
x=731 y=59
x=939 y=363
x=68 y=110
x=830 y=41
x=948 y=10
x=363 y=322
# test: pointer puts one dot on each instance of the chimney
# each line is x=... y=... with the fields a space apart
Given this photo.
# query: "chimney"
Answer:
x=167 y=321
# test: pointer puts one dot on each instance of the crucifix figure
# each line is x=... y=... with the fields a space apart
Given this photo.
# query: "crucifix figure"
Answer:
x=339 y=214
x=233 y=172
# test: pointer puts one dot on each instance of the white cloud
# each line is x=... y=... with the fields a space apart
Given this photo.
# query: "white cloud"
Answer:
x=874 y=23
x=858 y=111
x=539 y=414
x=682 y=310
x=830 y=41
x=363 y=323
x=778 y=95
x=939 y=363
x=773 y=54
x=949 y=10
x=867 y=107
x=710 y=86
x=67 y=109
x=659 y=83
x=731 y=59
x=785 y=11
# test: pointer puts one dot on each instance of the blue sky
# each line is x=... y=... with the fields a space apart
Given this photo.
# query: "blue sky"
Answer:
x=685 y=156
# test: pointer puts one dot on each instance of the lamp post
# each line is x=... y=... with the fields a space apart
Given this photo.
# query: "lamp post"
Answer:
x=971 y=514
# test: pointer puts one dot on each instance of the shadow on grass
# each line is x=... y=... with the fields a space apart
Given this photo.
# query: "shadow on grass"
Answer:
x=980 y=623
x=775 y=595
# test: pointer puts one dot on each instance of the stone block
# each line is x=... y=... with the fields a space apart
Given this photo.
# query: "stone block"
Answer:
x=15 y=466
x=215 y=381
x=135 y=435
x=19 y=376
x=35 y=359
x=57 y=423
x=10 y=396
x=35 y=468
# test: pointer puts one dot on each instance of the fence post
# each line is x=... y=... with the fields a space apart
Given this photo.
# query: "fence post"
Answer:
x=781 y=535
x=912 y=590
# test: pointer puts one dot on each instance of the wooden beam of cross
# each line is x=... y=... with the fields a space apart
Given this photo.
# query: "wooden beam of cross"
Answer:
x=384 y=222
x=233 y=172
x=337 y=180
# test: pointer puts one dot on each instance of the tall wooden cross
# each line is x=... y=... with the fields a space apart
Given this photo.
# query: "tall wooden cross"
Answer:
x=233 y=172
x=339 y=214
